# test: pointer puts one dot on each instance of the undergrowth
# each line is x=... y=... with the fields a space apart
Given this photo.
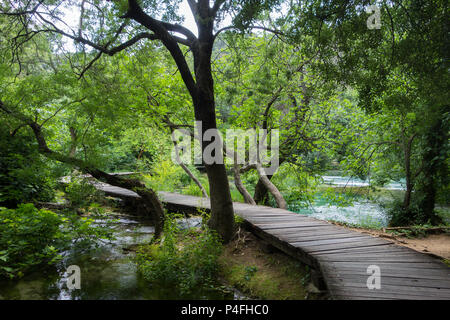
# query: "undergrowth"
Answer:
x=184 y=259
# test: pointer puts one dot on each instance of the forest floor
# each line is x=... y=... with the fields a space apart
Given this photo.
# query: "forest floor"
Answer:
x=263 y=272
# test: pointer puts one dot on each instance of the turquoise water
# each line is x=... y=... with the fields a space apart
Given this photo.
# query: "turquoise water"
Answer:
x=339 y=181
x=361 y=212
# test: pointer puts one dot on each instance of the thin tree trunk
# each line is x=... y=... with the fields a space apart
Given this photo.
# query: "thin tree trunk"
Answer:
x=239 y=184
x=73 y=146
x=281 y=203
x=194 y=178
x=261 y=191
x=185 y=168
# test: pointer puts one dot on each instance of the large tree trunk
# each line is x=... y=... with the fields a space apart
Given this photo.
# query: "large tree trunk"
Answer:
x=202 y=92
x=409 y=182
x=222 y=213
x=434 y=167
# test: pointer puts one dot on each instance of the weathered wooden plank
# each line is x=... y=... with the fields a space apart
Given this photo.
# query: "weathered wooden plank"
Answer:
x=406 y=291
x=361 y=294
x=262 y=209
x=256 y=210
x=375 y=256
x=375 y=260
x=270 y=226
x=273 y=215
x=317 y=242
x=400 y=292
x=409 y=274
x=342 y=280
x=357 y=244
x=298 y=237
x=414 y=273
x=401 y=264
x=278 y=220
x=330 y=230
x=388 y=248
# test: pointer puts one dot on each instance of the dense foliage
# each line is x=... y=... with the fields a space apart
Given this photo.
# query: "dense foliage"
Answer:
x=367 y=103
x=25 y=176
x=30 y=237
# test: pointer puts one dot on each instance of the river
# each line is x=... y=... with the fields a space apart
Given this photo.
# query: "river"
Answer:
x=107 y=272
x=361 y=212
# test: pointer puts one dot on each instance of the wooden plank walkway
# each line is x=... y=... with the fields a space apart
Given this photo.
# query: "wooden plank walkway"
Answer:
x=339 y=255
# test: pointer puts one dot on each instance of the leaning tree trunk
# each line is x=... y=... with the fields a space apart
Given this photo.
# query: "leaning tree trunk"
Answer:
x=239 y=184
x=149 y=197
x=279 y=199
x=151 y=200
x=186 y=169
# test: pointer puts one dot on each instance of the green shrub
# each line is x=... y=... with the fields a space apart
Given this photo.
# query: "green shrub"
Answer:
x=30 y=237
x=192 y=188
x=186 y=260
x=25 y=176
x=81 y=193
x=166 y=176
x=250 y=272
x=400 y=217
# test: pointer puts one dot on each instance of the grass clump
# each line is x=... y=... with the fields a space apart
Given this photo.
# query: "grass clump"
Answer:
x=245 y=264
x=186 y=260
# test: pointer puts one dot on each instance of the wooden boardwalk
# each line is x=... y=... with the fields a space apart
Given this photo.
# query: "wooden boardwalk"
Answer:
x=340 y=256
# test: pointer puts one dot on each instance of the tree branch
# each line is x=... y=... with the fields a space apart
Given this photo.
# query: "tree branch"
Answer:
x=159 y=28
x=216 y=6
x=277 y=32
